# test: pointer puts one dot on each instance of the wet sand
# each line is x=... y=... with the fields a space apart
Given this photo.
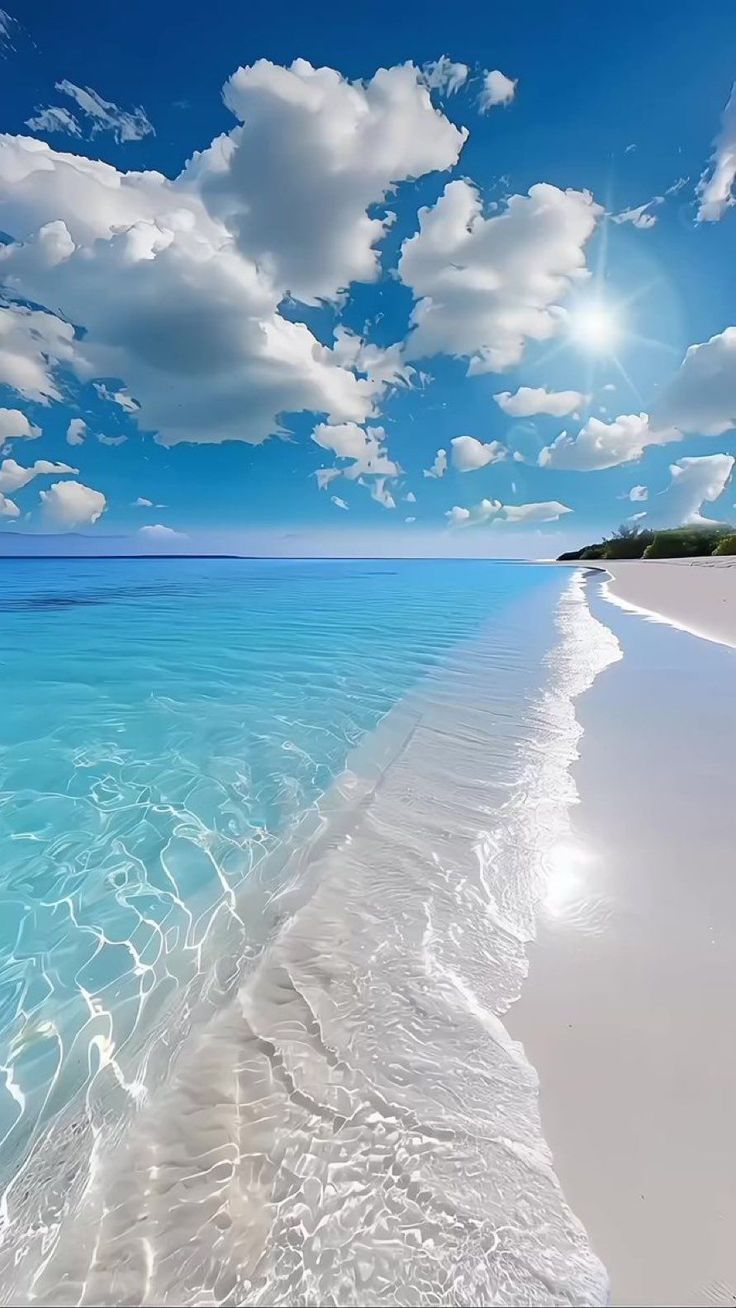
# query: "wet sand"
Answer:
x=627 y=1013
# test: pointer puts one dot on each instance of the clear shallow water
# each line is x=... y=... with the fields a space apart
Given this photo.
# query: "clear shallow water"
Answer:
x=271 y=833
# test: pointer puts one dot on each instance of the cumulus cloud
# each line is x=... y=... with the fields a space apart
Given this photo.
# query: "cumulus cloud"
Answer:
x=13 y=476
x=701 y=397
x=530 y=400
x=487 y=286
x=177 y=284
x=7 y=508
x=112 y=440
x=339 y=504
x=469 y=453
x=313 y=153
x=70 y=504
x=14 y=426
x=699 y=400
x=497 y=89
x=695 y=482
x=33 y=344
x=76 y=432
x=142 y=503
x=410 y=498
x=605 y=444
x=492 y=511
x=100 y=116
x=715 y=188
x=158 y=533
x=444 y=75
x=638 y=493
x=439 y=467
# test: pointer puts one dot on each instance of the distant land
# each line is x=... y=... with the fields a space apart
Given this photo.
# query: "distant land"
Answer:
x=675 y=543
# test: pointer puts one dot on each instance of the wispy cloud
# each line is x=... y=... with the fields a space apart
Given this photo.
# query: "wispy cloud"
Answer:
x=98 y=116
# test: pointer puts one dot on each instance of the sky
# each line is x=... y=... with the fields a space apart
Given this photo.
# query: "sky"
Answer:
x=449 y=280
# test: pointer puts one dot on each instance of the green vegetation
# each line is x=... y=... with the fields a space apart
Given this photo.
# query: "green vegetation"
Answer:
x=676 y=543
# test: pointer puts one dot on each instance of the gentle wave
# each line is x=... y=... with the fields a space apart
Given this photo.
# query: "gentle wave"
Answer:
x=354 y=1125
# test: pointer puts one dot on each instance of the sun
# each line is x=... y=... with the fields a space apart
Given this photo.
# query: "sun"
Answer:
x=596 y=326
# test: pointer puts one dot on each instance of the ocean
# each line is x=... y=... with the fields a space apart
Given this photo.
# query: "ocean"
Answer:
x=272 y=838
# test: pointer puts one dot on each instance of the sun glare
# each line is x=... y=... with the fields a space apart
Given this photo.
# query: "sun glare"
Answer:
x=596 y=327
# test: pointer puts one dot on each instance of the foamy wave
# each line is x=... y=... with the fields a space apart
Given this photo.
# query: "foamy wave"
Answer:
x=356 y=1126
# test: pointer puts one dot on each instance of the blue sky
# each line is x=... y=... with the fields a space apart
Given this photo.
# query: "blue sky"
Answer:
x=183 y=299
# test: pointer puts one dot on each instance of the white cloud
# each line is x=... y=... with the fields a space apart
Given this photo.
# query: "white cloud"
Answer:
x=70 y=504
x=380 y=492
x=497 y=89
x=76 y=432
x=410 y=498
x=457 y=516
x=495 y=511
x=112 y=440
x=701 y=398
x=32 y=345
x=142 y=503
x=605 y=444
x=157 y=532
x=409 y=519
x=638 y=493
x=439 y=467
x=365 y=449
x=120 y=398
x=715 y=188
x=314 y=152
x=177 y=284
x=54 y=119
x=530 y=400
x=381 y=364
x=366 y=456
x=101 y=115
x=695 y=482
x=7 y=508
x=166 y=301
x=469 y=453
x=444 y=75
x=340 y=504
x=13 y=476
x=326 y=475
x=8 y=24
x=486 y=286
x=14 y=426
x=639 y=216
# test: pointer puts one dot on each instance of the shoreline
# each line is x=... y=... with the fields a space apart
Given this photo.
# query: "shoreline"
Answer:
x=625 y=1007
x=693 y=595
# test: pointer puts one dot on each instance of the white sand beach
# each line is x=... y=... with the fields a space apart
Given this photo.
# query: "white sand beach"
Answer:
x=698 y=595
x=627 y=1012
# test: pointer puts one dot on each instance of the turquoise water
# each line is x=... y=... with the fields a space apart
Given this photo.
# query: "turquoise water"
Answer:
x=174 y=735
x=164 y=724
